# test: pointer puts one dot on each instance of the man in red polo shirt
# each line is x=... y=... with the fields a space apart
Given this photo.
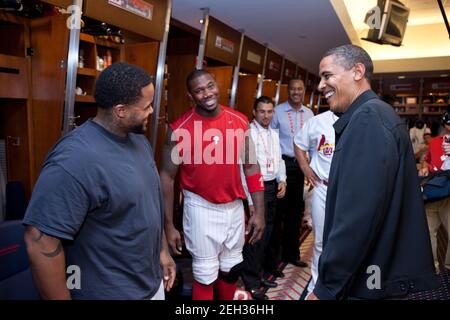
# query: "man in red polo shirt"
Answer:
x=206 y=145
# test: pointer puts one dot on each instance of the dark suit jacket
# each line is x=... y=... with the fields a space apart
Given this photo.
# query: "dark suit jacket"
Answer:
x=374 y=215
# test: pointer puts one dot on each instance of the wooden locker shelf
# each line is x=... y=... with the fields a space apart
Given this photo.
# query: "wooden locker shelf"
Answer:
x=86 y=98
x=88 y=72
x=87 y=52
x=87 y=75
x=107 y=43
x=84 y=37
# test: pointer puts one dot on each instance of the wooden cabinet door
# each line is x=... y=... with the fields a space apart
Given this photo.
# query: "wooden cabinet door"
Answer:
x=269 y=88
x=14 y=129
x=283 y=93
x=49 y=37
x=224 y=78
x=145 y=55
x=246 y=94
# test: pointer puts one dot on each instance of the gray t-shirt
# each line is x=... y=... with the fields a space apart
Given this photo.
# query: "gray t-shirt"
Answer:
x=103 y=193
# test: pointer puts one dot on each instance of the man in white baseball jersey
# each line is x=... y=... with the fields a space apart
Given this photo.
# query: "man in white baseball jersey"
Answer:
x=317 y=139
x=268 y=154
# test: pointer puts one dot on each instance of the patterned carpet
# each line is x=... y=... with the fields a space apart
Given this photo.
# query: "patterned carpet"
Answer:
x=443 y=293
x=292 y=285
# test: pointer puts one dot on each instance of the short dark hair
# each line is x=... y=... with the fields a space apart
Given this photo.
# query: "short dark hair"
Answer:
x=194 y=75
x=262 y=99
x=120 y=83
x=348 y=55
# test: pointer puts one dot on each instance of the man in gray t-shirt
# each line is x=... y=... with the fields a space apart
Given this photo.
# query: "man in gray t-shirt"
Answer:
x=96 y=209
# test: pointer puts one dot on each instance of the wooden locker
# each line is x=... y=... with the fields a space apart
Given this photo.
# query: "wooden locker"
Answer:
x=246 y=94
x=269 y=88
x=283 y=93
x=224 y=78
x=49 y=39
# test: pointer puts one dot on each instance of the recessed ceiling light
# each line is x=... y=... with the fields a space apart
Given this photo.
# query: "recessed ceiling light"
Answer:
x=201 y=21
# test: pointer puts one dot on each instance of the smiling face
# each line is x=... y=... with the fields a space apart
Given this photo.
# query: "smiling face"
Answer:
x=296 y=90
x=337 y=84
x=204 y=92
x=263 y=114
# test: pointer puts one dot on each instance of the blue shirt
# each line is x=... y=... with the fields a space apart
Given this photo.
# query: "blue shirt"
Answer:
x=102 y=193
x=288 y=121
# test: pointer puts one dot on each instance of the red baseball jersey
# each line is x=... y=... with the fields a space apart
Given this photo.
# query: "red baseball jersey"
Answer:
x=209 y=150
x=435 y=153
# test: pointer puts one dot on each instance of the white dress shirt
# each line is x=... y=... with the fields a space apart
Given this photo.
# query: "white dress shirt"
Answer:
x=268 y=154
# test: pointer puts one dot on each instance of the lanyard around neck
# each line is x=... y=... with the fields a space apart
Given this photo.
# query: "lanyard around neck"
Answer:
x=291 y=121
x=269 y=137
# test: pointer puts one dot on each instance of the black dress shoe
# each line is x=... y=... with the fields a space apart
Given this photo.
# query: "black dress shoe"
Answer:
x=267 y=283
x=278 y=274
x=299 y=263
x=258 y=294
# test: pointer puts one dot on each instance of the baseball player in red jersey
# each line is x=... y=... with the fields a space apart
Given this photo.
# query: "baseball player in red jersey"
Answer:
x=206 y=145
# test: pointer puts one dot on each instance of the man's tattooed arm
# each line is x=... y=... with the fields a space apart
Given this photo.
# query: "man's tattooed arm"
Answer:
x=51 y=254
x=47 y=262
x=54 y=253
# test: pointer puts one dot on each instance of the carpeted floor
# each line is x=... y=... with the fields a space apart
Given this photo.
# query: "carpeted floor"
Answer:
x=292 y=285
x=443 y=293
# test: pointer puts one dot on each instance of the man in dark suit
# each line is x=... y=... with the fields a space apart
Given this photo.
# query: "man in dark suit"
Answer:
x=375 y=242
